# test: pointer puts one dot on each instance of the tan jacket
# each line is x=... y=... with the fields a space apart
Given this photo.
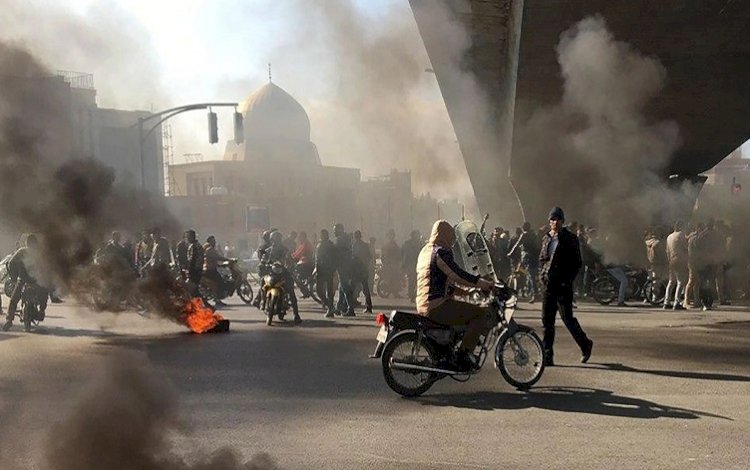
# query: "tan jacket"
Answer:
x=677 y=249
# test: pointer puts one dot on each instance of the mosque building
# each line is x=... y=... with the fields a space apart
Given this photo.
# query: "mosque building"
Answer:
x=275 y=178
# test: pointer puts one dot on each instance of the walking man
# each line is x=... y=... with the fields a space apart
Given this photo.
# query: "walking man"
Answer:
x=560 y=260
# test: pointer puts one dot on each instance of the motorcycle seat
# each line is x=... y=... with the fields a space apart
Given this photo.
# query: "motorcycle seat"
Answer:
x=403 y=320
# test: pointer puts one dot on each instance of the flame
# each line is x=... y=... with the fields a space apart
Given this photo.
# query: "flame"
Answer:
x=198 y=317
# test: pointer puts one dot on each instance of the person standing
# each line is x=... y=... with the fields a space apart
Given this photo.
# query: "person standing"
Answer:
x=373 y=264
x=390 y=256
x=530 y=246
x=325 y=267
x=677 y=258
x=343 y=244
x=303 y=255
x=161 y=254
x=560 y=261
x=143 y=250
x=360 y=263
x=498 y=245
x=410 y=253
x=194 y=259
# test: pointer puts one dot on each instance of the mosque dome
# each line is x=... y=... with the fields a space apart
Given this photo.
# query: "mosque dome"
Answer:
x=271 y=113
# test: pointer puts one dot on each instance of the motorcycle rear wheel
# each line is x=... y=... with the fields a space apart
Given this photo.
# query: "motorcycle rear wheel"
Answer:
x=520 y=358
x=604 y=290
x=407 y=383
x=245 y=291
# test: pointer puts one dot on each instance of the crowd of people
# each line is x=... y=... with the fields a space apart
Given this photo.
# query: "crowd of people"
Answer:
x=343 y=266
x=686 y=258
x=694 y=262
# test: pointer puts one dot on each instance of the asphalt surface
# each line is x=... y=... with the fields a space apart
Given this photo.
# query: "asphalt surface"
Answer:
x=662 y=390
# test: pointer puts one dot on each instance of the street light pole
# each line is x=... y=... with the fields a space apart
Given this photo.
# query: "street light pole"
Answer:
x=169 y=114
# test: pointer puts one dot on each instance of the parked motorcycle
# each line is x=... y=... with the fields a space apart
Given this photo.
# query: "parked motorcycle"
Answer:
x=642 y=284
x=275 y=292
x=306 y=282
x=233 y=280
x=388 y=283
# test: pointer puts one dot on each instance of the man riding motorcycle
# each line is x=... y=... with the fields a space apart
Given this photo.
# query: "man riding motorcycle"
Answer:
x=212 y=258
x=438 y=277
x=264 y=246
x=20 y=266
x=278 y=253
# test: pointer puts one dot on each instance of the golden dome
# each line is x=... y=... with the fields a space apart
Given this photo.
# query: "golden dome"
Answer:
x=273 y=114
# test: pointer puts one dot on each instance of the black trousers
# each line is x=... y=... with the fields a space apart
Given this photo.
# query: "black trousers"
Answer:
x=559 y=297
x=324 y=284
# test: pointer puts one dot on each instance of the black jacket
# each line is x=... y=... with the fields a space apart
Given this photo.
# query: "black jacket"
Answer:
x=562 y=266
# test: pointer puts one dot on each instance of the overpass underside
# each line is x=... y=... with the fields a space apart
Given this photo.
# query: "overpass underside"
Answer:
x=496 y=62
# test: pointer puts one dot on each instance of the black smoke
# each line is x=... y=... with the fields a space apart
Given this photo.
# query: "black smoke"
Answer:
x=124 y=421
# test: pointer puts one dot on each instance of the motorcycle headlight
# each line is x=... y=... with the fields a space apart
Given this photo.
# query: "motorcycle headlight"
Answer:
x=276 y=268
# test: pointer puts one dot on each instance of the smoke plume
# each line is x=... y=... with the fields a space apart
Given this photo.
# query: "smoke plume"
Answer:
x=124 y=421
x=70 y=203
x=379 y=115
x=102 y=38
x=603 y=158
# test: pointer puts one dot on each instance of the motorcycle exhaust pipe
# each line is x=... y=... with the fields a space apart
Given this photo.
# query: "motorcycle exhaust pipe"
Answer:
x=405 y=366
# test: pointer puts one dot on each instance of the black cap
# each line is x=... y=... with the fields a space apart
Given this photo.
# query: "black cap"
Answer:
x=556 y=214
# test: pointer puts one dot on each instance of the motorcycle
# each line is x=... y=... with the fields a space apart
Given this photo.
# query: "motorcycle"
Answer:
x=416 y=352
x=274 y=292
x=388 y=283
x=306 y=282
x=31 y=313
x=642 y=284
x=233 y=280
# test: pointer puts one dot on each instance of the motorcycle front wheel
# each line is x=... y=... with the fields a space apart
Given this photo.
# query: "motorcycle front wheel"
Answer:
x=245 y=291
x=520 y=357
x=382 y=288
x=604 y=290
x=402 y=349
x=655 y=291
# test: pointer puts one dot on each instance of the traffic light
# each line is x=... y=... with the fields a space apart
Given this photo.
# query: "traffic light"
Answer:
x=213 y=128
x=239 y=129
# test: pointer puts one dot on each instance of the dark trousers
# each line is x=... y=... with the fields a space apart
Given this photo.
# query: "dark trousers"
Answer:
x=194 y=282
x=324 y=285
x=560 y=297
x=360 y=280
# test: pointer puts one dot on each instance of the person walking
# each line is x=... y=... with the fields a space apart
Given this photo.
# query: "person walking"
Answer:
x=560 y=261
x=344 y=257
x=360 y=264
x=325 y=267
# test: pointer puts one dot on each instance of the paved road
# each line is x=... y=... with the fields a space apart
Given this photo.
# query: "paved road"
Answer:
x=663 y=390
